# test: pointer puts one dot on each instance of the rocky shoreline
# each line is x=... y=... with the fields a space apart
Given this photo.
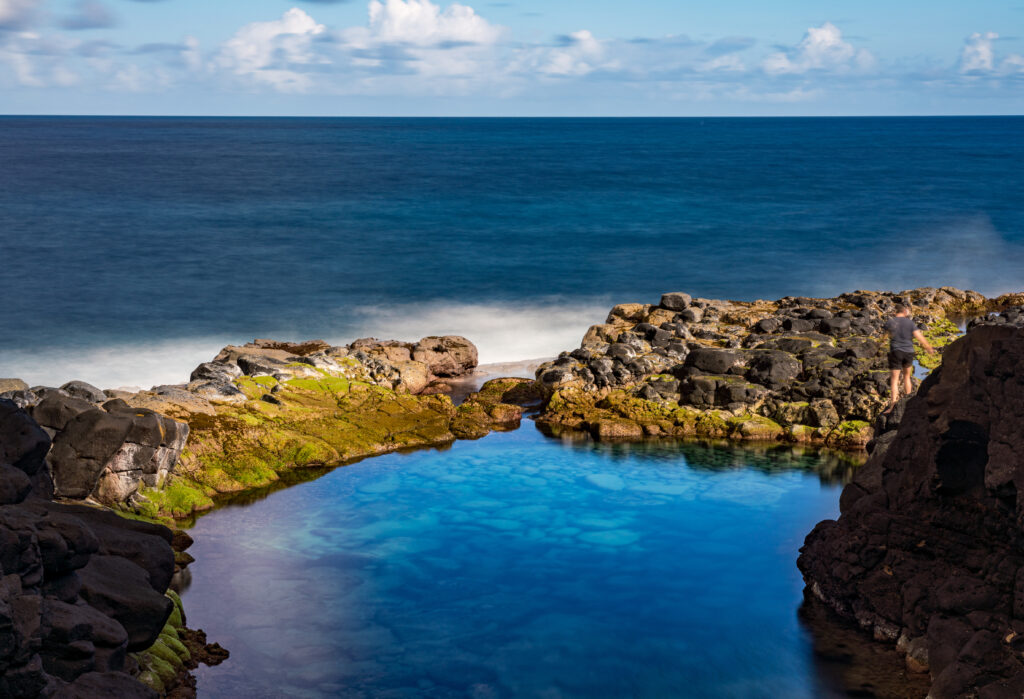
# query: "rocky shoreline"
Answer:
x=927 y=551
x=796 y=370
x=86 y=605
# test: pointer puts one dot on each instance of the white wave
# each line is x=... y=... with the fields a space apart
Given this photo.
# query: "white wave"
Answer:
x=967 y=253
x=120 y=365
x=501 y=332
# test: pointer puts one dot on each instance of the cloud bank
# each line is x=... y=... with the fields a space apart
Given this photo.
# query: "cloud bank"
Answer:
x=415 y=48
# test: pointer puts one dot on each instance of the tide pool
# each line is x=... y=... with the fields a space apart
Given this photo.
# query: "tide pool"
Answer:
x=519 y=565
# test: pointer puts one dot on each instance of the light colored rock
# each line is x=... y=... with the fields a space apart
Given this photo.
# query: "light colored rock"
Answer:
x=12 y=385
x=448 y=355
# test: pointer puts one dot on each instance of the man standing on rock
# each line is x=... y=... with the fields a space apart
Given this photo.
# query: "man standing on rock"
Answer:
x=902 y=332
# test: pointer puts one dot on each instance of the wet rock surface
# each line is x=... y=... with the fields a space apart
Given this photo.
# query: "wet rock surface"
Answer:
x=797 y=369
x=928 y=552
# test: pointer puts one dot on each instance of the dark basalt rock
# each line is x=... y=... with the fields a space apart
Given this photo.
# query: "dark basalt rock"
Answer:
x=105 y=452
x=929 y=548
x=79 y=587
x=85 y=391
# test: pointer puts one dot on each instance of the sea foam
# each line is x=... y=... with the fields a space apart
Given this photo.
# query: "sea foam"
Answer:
x=503 y=333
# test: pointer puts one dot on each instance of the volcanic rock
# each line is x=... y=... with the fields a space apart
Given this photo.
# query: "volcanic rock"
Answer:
x=929 y=547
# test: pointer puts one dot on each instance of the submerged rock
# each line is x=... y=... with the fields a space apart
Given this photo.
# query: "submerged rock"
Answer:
x=929 y=548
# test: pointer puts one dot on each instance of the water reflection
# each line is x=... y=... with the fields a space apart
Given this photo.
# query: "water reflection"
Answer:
x=518 y=565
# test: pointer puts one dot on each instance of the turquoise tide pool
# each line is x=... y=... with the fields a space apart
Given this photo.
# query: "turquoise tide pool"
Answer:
x=520 y=565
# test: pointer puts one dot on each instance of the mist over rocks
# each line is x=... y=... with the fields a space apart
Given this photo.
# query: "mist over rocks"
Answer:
x=798 y=369
x=928 y=551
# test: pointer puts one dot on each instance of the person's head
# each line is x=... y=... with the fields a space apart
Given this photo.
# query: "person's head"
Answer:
x=902 y=309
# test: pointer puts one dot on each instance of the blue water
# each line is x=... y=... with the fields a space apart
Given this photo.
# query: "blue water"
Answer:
x=132 y=248
x=519 y=566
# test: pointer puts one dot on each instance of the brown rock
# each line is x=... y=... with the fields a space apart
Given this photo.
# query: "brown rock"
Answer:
x=930 y=540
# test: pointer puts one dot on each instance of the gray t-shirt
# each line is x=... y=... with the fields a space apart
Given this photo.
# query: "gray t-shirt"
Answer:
x=901 y=333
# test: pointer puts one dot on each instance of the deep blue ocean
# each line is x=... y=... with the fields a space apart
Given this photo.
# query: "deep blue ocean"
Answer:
x=133 y=248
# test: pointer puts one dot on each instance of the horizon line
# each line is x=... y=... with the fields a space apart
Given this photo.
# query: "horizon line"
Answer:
x=528 y=116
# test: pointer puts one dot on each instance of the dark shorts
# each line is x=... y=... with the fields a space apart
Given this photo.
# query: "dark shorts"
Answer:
x=898 y=359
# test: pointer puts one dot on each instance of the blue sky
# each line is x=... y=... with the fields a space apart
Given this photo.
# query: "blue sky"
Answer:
x=518 y=57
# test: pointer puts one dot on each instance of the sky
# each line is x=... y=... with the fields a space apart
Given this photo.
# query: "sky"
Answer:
x=515 y=58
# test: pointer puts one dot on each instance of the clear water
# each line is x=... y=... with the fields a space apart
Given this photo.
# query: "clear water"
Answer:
x=521 y=566
x=138 y=247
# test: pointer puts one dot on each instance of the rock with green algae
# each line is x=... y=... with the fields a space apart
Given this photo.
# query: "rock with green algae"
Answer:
x=809 y=370
x=498 y=405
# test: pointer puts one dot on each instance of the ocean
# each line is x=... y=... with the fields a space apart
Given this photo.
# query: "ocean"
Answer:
x=131 y=249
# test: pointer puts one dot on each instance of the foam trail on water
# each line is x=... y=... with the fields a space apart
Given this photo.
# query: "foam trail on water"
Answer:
x=501 y=332
x=967 y=253
x=134 y=365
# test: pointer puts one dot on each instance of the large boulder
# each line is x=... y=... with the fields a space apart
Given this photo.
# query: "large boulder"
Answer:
x=106 y=452
x=23 y=444
x=929 y=547
x=7 y=385
x=446 y=356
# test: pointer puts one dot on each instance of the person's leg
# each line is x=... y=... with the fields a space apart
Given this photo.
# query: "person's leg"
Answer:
x=894 y=388
x=908 y=384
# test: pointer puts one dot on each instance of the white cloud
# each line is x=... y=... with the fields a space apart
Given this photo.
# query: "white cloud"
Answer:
x=273 y=53
x=17 y=14
x=1014 y=63
x=38 y=61
x=822 y=48
x=576 y=55
x=420 y=38
x=730 y=62
x=422 y=23
x=977 y=56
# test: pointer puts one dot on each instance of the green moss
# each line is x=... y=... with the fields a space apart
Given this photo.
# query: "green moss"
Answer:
x=173 y=596
x=178 y=498
x=265 y=381
x=152 y=680
x=169 y=638
x=939 y=334
x=327 y=384
x=755 y=427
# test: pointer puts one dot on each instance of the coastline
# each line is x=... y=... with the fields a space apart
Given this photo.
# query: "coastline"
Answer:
x=708 y=370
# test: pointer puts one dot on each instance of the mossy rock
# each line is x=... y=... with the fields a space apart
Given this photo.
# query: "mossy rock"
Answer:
x=939 y=334
x=850 y=434
x=610 y=429
x=755 y=427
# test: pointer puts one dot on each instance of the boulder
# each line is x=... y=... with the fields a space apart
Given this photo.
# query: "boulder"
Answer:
x=107 y=454
x=448 y=355
x=928 y=546
x=675 y=301
x=712 y=360
x=122 y=590
x=220 y=372
x=23 y=444
x=85 y=391
x=7 y=385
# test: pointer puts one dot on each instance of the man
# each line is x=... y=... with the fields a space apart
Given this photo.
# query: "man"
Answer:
x=902 y=332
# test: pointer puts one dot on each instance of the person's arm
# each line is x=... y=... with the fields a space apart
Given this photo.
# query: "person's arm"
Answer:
x=919 y=336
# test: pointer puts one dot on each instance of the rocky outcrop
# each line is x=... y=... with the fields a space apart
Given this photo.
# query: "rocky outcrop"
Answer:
x=928 y=551
x=253 y=411
x=105 y=453
x=79 y=588
x=797 y=369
